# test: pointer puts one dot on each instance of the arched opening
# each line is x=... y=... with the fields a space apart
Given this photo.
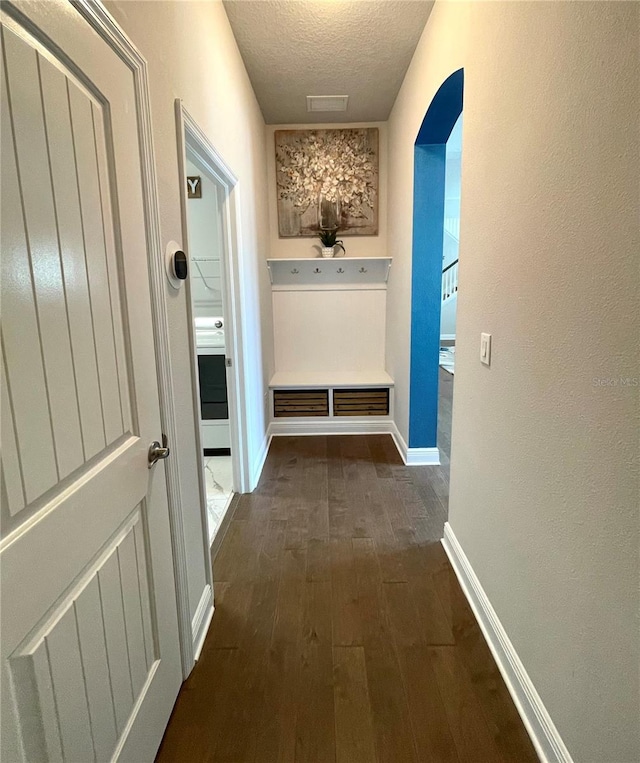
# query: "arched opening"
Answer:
x=427 y=257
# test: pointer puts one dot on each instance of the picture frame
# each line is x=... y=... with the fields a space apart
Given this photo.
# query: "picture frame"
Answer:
x=327 y=178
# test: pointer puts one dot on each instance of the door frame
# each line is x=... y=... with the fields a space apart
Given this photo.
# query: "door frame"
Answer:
x=191 y=137
x=99 y=18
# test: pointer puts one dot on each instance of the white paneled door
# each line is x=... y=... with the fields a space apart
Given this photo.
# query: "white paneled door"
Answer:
x=89 y=637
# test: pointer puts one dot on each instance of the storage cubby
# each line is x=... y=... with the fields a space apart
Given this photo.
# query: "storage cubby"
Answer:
x=300 y=403
x=330 y=403
x=361 y=402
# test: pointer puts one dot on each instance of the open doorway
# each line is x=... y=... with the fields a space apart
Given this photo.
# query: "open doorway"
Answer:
x=451 y=238
x=206 y=257
x=209 y=234
x=449 y=296
x=436 y=231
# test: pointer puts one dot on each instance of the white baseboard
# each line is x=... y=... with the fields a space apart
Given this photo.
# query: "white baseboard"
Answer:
x=447 y=337
x=537 y=721
x=422 y=457
x=259 y=462
x=347 y=425
x=415 y=456
x=201 y=620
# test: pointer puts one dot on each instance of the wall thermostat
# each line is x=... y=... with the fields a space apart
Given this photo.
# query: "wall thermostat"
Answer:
x=176 y=265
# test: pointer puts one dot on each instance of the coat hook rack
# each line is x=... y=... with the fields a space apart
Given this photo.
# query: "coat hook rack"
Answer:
x=302 y=273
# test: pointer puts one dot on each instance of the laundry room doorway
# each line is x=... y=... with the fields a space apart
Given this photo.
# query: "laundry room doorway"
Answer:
x=206 y=252
x=209 y=234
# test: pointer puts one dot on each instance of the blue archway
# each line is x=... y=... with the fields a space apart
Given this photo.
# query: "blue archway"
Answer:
x=426 y=278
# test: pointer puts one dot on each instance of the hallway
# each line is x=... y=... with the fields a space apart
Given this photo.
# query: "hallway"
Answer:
x=340 y=631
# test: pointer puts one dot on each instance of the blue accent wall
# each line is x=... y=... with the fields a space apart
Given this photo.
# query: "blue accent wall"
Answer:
x=426 y=278
x=443 y=111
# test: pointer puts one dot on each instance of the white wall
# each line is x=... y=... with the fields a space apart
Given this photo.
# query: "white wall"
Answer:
x=330 y=330
x=544 y=485
x=192 y=55
x=450 y=238
x=452 y=171
x=448 y=313
x=356 y=246
x=206 y=246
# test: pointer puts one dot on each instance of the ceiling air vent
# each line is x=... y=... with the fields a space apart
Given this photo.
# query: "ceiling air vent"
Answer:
x=327 y=102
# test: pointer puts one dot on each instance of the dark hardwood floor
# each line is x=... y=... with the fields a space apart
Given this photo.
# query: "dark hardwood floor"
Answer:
x=445 y=403
x=340 y=631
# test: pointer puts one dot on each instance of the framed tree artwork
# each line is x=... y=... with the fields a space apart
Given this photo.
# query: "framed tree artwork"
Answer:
x=327 y=179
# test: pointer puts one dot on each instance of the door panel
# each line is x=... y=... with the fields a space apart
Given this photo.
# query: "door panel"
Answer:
x=55 y=98
x=28 y=402
x=83 y=117
x=87 y=664
x=68 y=272
x=90 y=654
x=31 y=154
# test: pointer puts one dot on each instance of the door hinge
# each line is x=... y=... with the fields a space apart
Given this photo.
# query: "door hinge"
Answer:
x=227 y=362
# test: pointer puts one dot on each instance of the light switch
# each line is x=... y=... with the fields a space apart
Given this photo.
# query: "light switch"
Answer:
x=485 y=349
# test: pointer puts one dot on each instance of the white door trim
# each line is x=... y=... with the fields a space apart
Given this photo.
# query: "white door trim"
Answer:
x=192 y=136
x=105 y=25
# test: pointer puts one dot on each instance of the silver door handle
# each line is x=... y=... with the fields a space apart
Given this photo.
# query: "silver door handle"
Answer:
x=157 y=451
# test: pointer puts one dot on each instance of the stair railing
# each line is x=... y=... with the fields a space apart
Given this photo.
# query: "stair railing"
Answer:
x=450 y=281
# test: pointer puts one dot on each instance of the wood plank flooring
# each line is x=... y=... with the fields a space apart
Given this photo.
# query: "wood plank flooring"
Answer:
x=340 y=631
x=445 y=405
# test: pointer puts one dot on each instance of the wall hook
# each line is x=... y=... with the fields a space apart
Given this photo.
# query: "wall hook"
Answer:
x=362 y=270
x=317 y=270
x=340 y=270
x=295 y=271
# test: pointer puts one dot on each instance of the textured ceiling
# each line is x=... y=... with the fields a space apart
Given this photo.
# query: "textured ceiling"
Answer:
x=295 y=48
